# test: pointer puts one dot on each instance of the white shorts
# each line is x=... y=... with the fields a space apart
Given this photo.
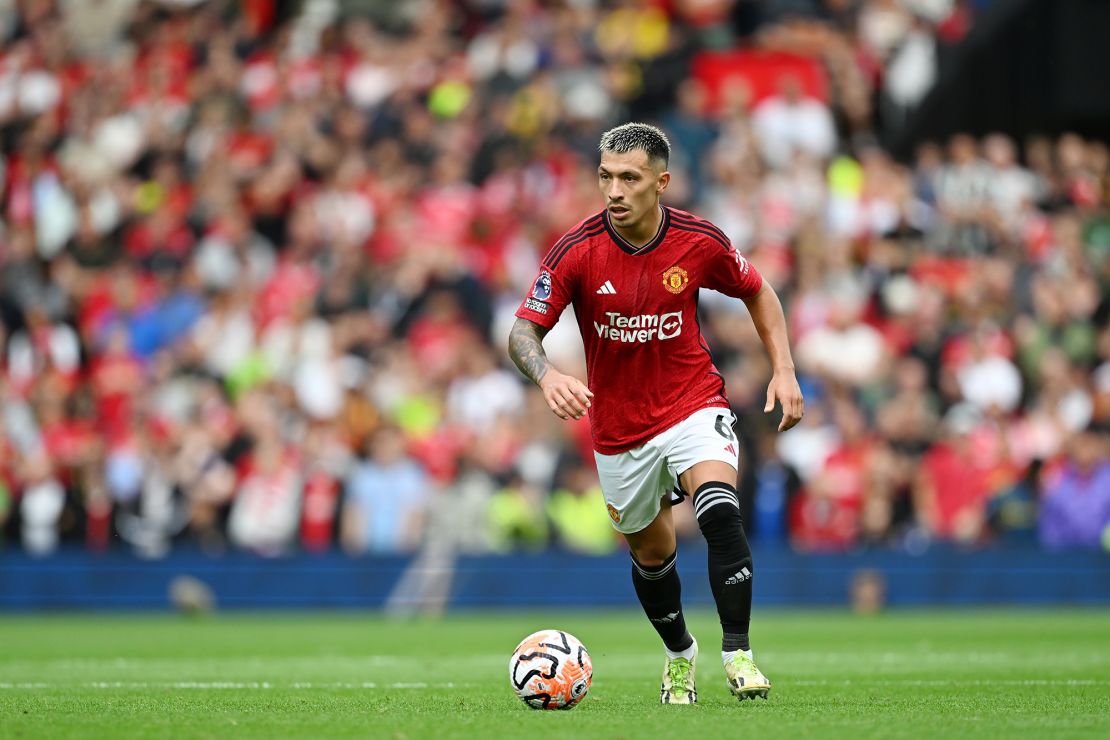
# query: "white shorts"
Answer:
x=635 y=481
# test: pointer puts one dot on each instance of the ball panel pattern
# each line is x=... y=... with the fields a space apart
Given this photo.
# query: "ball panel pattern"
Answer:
x=550 y=669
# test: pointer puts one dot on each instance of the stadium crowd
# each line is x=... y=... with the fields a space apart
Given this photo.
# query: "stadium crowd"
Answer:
x=258 y=262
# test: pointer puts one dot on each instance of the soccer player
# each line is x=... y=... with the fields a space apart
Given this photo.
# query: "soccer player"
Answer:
x=660 y=421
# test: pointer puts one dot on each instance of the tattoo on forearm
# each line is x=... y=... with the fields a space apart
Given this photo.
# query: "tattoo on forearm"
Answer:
x=526 y=349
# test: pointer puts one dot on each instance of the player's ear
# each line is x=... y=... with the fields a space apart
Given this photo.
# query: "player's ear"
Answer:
x=663 y=182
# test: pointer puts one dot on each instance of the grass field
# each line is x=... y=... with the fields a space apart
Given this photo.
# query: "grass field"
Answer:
x=917 y=674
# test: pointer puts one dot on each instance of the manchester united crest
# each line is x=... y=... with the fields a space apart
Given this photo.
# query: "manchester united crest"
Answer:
x=675 y=279
x=614 y=514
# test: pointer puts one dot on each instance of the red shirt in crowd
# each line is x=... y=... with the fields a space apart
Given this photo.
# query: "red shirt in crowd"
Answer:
x=959 y=483
x=828 y=520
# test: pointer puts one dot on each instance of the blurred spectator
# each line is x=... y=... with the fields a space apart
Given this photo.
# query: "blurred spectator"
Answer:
x=1076 y=506
x=790 y=123
x=1012 y=511
x=846 y=350
x=911 y=69
x=42 y=502
x=827 y=514
x=482 y=390
x=988 y=380
x=693 y=133
x=577 y=512
x=952 y=487
x=267 y=506
x=805 y=447
x=1011 y=187
x=516 y=517
x=963 y=196
x=387 y=497
x=460 y=519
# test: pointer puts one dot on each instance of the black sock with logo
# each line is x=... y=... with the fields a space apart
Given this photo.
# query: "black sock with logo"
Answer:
x=717 y=508
x=660 y=593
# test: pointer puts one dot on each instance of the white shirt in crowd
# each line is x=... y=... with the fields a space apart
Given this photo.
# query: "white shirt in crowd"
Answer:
x=990 y=381
x=784 y=128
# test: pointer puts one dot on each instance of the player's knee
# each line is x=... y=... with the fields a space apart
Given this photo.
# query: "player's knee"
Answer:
x=651 y=557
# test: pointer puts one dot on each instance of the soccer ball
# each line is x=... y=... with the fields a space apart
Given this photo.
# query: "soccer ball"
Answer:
x=550 y=669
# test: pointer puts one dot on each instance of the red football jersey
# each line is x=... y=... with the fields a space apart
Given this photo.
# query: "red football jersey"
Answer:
x=647 y=362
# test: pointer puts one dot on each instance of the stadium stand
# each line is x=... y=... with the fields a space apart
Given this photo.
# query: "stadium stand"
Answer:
x=258 y=261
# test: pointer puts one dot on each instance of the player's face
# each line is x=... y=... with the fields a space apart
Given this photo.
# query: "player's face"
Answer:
x=631 y=184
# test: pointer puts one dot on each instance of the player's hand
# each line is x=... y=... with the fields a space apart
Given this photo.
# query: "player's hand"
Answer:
x=785 y=390
x=566 y=395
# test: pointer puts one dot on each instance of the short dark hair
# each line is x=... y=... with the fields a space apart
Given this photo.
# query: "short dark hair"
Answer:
x=629 y=136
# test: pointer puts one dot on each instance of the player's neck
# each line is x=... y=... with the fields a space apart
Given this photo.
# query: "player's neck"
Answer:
x=639 y=234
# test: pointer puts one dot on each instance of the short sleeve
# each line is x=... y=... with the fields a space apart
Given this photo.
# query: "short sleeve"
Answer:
x=550 y=293
x=728 y=272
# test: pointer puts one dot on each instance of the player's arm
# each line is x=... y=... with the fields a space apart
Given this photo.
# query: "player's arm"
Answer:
x=766 y=311
x=566 y=395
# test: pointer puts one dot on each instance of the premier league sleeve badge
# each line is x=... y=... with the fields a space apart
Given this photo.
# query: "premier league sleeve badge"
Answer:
x=542 y=289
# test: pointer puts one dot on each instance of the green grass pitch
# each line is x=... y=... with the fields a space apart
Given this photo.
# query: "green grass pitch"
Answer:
x=1000 y=673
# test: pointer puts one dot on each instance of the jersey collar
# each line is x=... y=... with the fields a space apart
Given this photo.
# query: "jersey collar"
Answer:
x=628 y=246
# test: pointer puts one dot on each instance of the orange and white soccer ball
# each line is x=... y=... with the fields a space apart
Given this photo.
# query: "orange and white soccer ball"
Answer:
x=550 y=669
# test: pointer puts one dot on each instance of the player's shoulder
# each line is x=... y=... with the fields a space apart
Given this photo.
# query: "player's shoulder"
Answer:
x=701 y=229
x=578 y=235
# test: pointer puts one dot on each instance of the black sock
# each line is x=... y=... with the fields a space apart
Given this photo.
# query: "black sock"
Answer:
x=730 y=560
x=660 y=594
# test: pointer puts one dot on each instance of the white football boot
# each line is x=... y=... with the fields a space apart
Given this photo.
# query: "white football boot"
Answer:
x=745 y=680
x=678 y=680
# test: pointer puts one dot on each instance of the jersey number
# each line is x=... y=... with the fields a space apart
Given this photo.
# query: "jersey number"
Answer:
x=724 y=428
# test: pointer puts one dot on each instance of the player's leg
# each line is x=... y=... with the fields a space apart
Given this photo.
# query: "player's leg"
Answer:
x=730 y=570
x=634 y=483
x=712 y=485
x=705 y=459
x=655 y=578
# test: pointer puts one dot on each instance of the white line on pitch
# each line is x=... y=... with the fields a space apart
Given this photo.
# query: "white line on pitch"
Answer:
x=951 y=682
x=232 y=685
